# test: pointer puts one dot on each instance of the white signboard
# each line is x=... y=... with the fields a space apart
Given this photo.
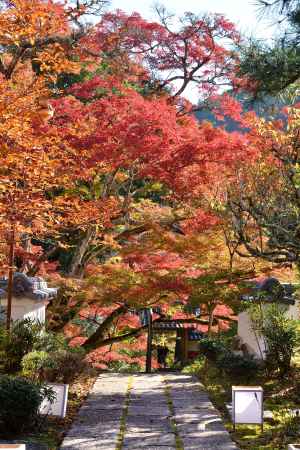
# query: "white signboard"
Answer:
x=59 y=405
x=247 y=404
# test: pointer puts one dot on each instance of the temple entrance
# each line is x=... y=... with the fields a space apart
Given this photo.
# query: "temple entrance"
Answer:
x=175 y=343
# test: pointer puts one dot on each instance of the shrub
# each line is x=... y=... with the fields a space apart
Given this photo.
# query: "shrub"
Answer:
x=279 y=333
x=50 y=342
x=234 y=365
x=29 y=337
x=3 y=336
x=237 y=366
x=282 y=338
x=289 y=422
x=40 y=354
x=61 y=366
x=195 y=366
x=65 y=365
x=20 y=400
x=123 y=367
x=35 y=364
x=212 y=348
x=18 y=342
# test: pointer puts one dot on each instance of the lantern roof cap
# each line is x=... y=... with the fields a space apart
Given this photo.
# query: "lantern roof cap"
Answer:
x=35 y=288
x=270 y=290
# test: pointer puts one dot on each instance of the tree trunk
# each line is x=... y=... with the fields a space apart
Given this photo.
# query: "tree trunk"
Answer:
x=95 y=340
x=211 y=321
x=76 y=264
x=99 y=337
x=113 y=339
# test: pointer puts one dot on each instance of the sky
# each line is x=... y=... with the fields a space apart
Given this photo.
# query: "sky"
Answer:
x=242 y=12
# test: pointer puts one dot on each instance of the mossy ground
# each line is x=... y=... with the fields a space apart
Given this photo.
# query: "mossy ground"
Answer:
x=280 y=395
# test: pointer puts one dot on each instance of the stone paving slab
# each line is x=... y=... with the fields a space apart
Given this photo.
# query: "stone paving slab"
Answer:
x=100 y=419
x=198 y=423
x=206 y=444
x=98 y=422
x=149 y=440
x=140 y=403
x=138 y=446
x=89 y=444
x=93 y=431
x=149 y=419
x=149 y=411
x=152 y=429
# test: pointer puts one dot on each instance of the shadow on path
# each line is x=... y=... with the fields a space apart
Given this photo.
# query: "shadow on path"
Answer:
x=160 y=409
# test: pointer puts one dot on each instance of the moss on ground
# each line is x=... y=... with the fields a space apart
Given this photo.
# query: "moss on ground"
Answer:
x=280 y=396
x=123 y=419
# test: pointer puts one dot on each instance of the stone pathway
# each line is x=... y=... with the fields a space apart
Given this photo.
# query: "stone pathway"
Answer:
x=148 y=412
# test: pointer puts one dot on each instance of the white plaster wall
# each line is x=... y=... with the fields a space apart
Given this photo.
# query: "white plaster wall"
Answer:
x=38 y=314
x=256 y=345
x=23 y=308
x=294 y=311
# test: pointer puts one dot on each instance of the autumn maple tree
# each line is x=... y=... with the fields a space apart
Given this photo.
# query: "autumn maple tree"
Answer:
x=196 y=49
x=152 y=160
x=264 y=205
x=104 y=168
x=38 y=42
x=161 y=268
x=28 y=62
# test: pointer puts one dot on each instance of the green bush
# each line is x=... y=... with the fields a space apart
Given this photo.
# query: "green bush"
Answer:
x=3 y=337
x=65 y=365
x=279 y=333
x=212 y=348
x=61 y=366
x=282 y=338
x=124 y=367
x=237 y=366
x=41 y=355
x=195 y=366
x=45 y=350
x=234 y=365
x=289 y=422
x=17 y=343
x=20 y=400
x=35 y=364
x=50 y=342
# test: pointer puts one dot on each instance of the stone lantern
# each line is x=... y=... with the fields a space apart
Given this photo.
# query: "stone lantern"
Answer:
x=31 y=295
